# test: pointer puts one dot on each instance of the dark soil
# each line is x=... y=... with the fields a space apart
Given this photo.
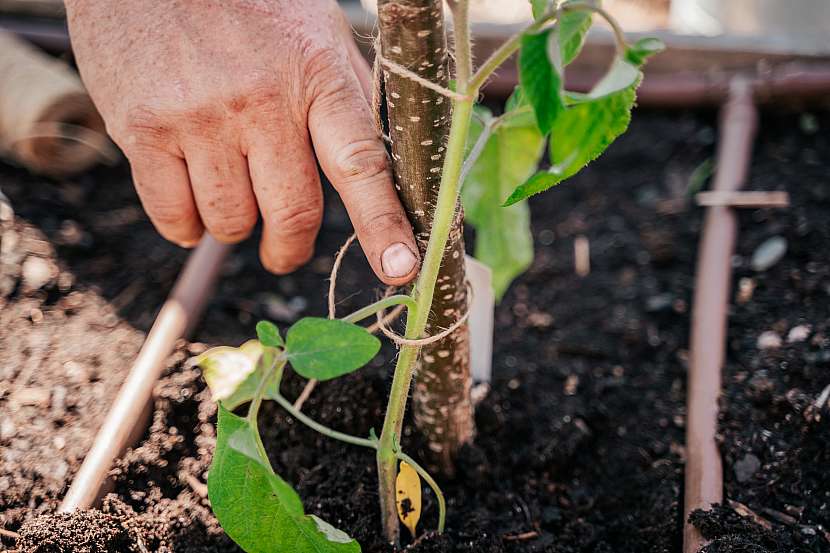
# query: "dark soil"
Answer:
x=579 y=445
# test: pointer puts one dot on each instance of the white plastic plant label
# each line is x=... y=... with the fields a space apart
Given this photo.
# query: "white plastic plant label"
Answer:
x=481 y=320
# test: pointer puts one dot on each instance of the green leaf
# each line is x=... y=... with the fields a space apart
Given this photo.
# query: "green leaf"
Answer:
x=538 y=7
x=503 y=238
x=539 y=182
x=643 y=49
x=570 y=31
x=589 y=124
x=541 y=78
x=269 y=334
x=257 y=508
x=621 y=75
x=580 y=135
x=325 y=348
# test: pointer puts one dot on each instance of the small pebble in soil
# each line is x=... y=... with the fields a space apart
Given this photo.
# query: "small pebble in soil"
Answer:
x=540 y=319
x=769 y=340
x=768 y=253
x=658 y=303
x=277 y=309
x=746 y=288
x=7 y=429
x=37 y=272
x=746 y=467
x=798 y=333
x=72 y=234
x=546 y=237
x=571 y=384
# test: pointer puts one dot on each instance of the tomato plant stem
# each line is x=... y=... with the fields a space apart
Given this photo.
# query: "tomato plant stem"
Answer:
x=425 y=286
x=273 y=363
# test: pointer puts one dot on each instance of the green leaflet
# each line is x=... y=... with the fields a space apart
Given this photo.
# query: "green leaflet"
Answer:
x=538 y=7
x=503 y=238
x=541 y=78
x=579 y=136
x=258 y=509
x=642 y=49
x=588 y=125
x=570 y=31
x=325 y=348
x=269 y=334
x=542 y=59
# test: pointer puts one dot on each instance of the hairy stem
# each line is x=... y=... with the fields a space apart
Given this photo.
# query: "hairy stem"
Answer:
x=273 y=362
x=380 y=305
x=423 y=293
x=503 y=52
x=462 y=43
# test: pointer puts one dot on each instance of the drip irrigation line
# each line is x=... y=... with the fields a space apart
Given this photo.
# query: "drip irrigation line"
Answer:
x=704 y=470
x=130 y=411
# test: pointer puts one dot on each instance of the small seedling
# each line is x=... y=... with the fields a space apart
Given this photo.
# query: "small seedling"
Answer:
x=496 y=158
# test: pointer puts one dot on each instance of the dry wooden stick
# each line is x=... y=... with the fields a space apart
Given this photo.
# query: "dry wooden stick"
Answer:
x=9 y=534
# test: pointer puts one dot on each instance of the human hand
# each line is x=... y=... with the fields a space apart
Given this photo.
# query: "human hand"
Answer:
x=221 y=107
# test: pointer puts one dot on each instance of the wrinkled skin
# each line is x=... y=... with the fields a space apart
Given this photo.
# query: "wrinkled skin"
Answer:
x=224 y=109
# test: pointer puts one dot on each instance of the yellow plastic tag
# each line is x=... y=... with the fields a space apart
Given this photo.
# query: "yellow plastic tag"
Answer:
x=408 y=488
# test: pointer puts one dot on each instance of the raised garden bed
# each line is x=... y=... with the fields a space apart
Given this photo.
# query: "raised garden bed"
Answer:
x=580 y=442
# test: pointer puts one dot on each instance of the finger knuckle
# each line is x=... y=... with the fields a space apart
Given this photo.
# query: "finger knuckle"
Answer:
x=382 y=221
x=233 y=227
x=322 y=73
x=170 y=214
x=144 y=127
x=299 y=219
x=360 y=161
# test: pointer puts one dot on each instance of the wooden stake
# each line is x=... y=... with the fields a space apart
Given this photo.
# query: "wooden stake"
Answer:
x=412 y=35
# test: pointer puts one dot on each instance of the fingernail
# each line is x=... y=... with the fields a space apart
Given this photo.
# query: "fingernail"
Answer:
x=397 y=260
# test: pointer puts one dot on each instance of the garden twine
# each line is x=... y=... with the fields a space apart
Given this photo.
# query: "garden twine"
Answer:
x=47 y=120
x=402 y=71
x=381 y=315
